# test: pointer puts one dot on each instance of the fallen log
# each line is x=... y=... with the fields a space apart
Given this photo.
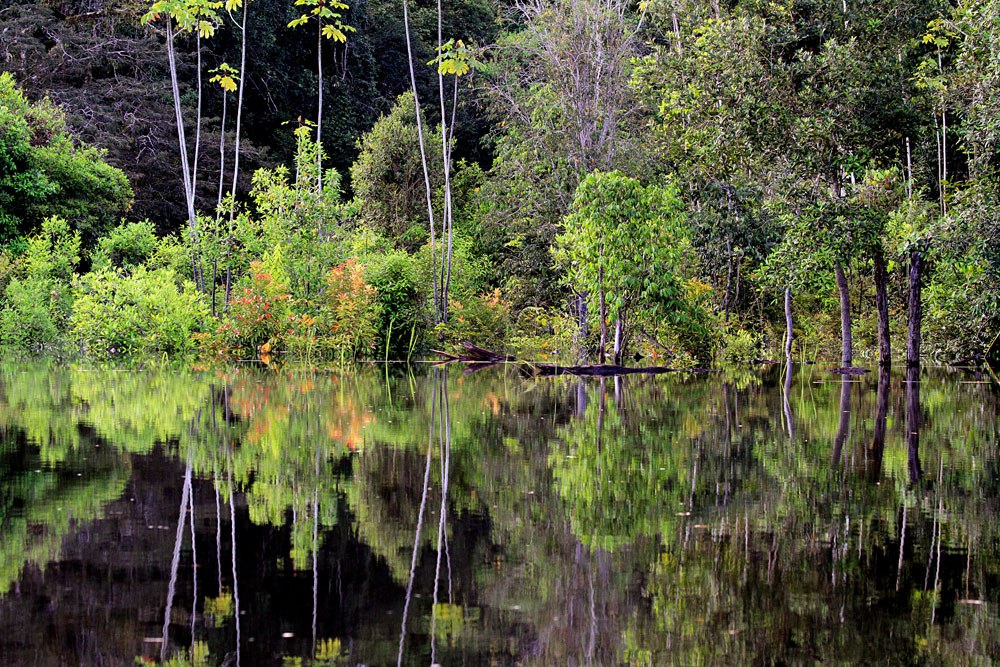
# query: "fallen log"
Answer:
x=849 y=370
x=603 y=370
x=479 y=358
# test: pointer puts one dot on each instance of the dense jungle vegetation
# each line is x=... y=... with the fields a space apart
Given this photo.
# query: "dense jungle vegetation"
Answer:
x=685 y=180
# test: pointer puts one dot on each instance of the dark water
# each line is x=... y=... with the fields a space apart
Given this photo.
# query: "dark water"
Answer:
x=743 y=517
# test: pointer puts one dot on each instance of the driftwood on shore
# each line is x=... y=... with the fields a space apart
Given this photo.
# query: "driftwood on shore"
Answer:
x=479 y=358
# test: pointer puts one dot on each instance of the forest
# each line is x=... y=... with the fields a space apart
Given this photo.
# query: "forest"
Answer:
x=670 y=182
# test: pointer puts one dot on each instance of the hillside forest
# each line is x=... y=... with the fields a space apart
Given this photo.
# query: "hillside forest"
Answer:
x=670 y=182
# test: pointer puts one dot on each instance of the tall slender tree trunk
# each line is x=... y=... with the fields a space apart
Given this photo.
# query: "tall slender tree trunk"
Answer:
x=604 y=310
x=236 y=149
x=916 y=309
x=618 y=339
x=438 y=306
x=729 y=275
x=199 y=269
x=581 y=318
x=882 y=306
x=445 y=158
x=789 y=336
x=181 y=142
x=846 y=339
x=218 y=201
x=319 y=107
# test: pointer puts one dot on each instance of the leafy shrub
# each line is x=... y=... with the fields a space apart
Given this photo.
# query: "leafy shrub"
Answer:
x=350 y=313
x=483 y=319
x=739 y=344
x=125 y=247
x=399 y=296
x=545 y=334
x=44 y=172
x=38 y=297
x=259 y=320
x=117 y=314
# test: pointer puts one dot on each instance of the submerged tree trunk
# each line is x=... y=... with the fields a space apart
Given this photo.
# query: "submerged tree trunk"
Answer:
x=882 y=305
x=788 y=323
x=846 y=339
x=916 y=309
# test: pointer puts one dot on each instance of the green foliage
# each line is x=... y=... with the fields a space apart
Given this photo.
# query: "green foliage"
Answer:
x=627 y=242
x=349 y=312
x=44 y=172
x=399 y=293
x=39 y=300
x=135 y=314
x=388 y=177
x=259 y=320
x=125 y=247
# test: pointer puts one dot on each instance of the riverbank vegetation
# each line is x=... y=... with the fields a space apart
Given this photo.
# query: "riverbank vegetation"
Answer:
x=587 y=179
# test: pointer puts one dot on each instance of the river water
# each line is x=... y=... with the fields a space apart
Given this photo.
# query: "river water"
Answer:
x=750 y=516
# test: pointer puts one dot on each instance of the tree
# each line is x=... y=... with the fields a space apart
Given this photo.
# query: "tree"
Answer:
x=623 y=245
x=559 y=94
x=336 y=30
x=44 y=172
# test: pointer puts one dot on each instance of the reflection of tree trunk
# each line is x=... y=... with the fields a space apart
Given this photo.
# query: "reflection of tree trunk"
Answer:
x=786 y=399
x=915 y=309
x=881 y=413
x=581 y=398
x=845 y=419
x=882 y=306
x=236 y=585
x=913 y=421
x=729 y=422
x=600 y=416
x=178 y=539
x=846 y=339
x=442 y=513
x=420 y=525
x=194 y=570
x=788 y=322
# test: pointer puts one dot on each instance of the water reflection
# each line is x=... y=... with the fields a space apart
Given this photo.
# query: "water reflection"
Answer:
x=247 y=518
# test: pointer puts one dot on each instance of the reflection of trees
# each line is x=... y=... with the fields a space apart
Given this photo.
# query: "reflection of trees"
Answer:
x=41 y=505
x=564 y=521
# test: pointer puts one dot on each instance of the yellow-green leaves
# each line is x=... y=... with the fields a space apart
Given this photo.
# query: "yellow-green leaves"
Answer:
x=199 y=16
x=327 y=12
x=226 y=77
x=456 y=58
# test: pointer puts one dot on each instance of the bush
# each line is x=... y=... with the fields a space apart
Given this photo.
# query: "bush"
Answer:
x=258 y=321
x=350 y=313
x=38 y=296
x=45 y=173
x=127 y=246
x=117 y=314
x=483 y=319
x=400 y=300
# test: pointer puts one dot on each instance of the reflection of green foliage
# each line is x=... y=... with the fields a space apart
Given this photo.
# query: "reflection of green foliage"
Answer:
x=38 y=503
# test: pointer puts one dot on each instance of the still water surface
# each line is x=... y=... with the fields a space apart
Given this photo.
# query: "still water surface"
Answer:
x=742 y=517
